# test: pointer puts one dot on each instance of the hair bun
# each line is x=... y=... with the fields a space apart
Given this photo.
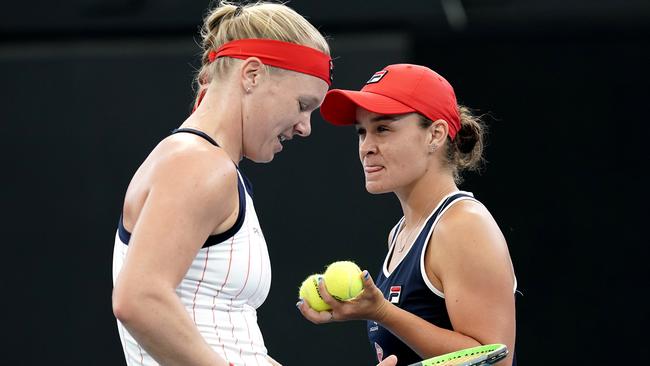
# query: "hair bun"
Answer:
x=466 y=139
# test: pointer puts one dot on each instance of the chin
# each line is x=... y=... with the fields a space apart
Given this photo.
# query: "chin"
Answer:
x=262 y=159
x=259 y=156
x=375 y=188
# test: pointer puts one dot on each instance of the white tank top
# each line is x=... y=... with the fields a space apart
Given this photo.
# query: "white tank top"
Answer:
x=227 y=281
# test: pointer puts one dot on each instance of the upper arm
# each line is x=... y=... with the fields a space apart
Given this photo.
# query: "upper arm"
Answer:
x=190 y=194
x=470 y=257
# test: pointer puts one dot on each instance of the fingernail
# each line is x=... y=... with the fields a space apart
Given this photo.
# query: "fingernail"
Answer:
x=320 y=279
x=365 y=277
x=299 y=303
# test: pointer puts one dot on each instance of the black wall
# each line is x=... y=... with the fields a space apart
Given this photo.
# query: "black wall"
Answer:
x=89 y=88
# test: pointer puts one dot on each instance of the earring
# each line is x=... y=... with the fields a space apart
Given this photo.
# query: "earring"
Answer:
x=432 y=148
x=248 y=90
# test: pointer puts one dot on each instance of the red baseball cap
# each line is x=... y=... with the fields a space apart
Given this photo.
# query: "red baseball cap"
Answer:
x=397 y=89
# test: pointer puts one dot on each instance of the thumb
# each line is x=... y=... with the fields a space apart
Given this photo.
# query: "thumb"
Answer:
x=389 y=361
x=367 y=279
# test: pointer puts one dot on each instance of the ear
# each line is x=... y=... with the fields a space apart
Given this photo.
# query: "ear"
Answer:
x=438 y=132
x=252 y=70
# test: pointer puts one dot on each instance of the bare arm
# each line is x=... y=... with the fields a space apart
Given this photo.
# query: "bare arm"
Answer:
x=184 y=205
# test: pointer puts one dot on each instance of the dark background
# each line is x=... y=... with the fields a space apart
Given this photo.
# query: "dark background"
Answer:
x=89 y=87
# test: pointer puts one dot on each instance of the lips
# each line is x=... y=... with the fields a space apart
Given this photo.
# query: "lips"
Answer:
x=372 y=168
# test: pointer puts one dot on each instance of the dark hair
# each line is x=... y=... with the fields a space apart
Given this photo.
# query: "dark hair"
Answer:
x=465 y=151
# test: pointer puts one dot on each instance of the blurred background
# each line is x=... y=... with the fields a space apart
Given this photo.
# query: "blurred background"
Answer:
x=88 y=88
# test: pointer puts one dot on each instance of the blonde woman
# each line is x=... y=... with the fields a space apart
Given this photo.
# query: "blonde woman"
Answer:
x=447 y=282
x=190 y=261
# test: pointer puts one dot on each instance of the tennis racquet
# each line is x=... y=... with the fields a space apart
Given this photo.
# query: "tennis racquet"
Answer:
x=475 y=356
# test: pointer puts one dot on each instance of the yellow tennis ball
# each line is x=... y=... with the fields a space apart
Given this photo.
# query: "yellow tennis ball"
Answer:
x=309 y=291
x=343 y=280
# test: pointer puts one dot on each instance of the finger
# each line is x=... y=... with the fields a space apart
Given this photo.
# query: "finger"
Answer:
x=306 y=310
x=322 y=289
x=316 y=317
x=302 y=305
x=389 y=361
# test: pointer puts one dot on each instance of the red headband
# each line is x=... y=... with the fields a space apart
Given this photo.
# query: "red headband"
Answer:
x=285 y=55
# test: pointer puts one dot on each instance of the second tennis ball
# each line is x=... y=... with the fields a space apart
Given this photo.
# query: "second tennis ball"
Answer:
x=309 y=292
x=343 y=280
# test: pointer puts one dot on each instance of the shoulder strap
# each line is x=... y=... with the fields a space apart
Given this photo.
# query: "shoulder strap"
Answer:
x=196 y=132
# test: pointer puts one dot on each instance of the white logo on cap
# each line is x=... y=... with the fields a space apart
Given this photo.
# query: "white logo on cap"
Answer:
x=377 y=76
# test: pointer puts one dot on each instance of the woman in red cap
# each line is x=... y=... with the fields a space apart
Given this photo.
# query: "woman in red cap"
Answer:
x=447 y=282
x=190 y=263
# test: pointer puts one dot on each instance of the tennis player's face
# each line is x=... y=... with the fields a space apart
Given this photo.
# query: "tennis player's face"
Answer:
x=281 y=109
x=393 y=150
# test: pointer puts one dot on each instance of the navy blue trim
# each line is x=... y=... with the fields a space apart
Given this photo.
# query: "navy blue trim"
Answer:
x=198 y=133
x=216 y=239
x=125 y=235
x=447 y=202
x=432 y=219
x=247 y=183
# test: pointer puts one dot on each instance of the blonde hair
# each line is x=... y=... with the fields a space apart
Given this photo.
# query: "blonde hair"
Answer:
x=228 y=22
x=465 y=151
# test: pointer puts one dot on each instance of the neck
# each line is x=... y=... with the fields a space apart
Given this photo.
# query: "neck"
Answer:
x=420 y=198
x=220 y=116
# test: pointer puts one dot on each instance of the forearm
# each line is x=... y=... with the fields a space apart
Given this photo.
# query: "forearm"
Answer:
x=426 y=339
x=163 y=328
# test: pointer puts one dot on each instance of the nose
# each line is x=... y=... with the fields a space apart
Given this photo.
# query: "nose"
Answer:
x=367 y=145
x=303 y=127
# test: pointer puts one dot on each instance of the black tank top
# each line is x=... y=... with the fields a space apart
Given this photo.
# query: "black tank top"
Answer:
x=405 y=287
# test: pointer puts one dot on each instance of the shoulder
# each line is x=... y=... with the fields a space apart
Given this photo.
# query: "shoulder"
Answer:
x=469 y=251
x=183 y=160
x=199 y=173
x=465 y=216
x=467 y=227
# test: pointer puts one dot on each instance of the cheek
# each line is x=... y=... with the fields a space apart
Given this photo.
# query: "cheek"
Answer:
x=265 y=124
x=406 y=164
x=279 y=112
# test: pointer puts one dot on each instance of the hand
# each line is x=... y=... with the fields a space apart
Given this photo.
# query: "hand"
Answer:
x=388 y=361
x=368 y=305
